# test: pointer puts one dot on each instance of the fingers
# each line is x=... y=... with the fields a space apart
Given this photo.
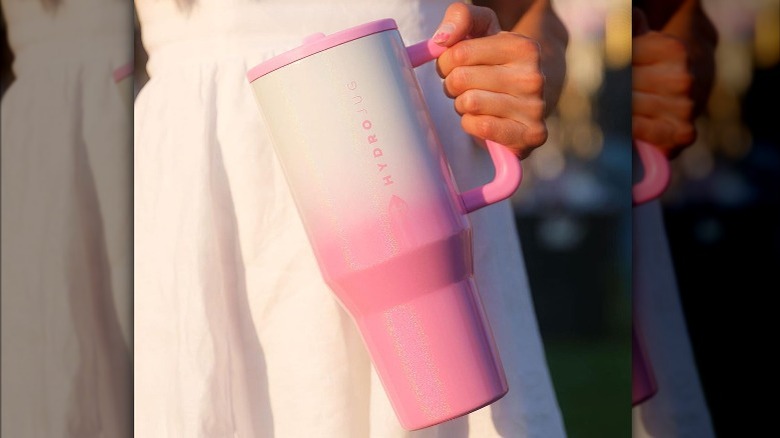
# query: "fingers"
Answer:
x=522 y=138
x=501 y=49
x=495 y=78
x=655 y=47
x=498 y=88
x=654 y=105
x=492 y=78
x=662 y=83
x=669 y=134
x=481 y=102
x=461 y=21
x=663 y=79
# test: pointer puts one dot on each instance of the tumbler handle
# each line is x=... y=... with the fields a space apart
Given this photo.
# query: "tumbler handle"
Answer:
x=508 y=174
x=656 y=173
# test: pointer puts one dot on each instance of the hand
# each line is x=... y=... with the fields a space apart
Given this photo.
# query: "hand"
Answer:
x=662 y=106
x=495 y=78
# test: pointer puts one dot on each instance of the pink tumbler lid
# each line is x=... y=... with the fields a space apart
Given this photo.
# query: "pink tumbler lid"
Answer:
x=435 y=355
x=317 y=43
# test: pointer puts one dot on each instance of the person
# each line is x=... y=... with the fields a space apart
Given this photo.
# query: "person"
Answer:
x=673 y=71
x=236 y=333
x=66 y=221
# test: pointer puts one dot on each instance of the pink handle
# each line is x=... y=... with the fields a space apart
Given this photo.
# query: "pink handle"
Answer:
x=656 y=173
x=509 y=173
x=424 y=51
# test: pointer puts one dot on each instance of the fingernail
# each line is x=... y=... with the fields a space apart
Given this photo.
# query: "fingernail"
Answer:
x=443 y=33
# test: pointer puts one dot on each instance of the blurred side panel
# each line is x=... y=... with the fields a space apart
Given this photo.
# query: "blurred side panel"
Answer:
x=66 y=218
x=573 y=213
x=722 y=216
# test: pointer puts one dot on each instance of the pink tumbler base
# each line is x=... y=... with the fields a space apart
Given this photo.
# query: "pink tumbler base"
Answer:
x=435 y=355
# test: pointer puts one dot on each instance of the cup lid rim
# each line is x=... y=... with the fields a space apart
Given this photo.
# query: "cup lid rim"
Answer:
x=318 y=43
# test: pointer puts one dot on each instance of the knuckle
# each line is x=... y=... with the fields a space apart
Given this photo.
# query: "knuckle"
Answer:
x=684 y=81
x=458 y=108
x=640 y=129
x=676 y=47
x=536 y=134
x=536 y=108
x=535 y=82
x=468 y=102
x=485 y=128
x=508 y=135
x=460 y=54
x=527 y=48
x=686 y=109
x=686 y=134
x=458 y=80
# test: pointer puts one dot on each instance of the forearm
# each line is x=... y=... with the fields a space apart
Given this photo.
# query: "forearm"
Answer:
x=536 y=19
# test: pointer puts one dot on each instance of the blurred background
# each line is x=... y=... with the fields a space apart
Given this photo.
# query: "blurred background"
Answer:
x=721 y=212
x=573 y=213
x=66 y=172
x=722 y=215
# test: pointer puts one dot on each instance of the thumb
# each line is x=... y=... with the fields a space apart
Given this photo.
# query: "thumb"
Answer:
x=639 y=24
x=463 y=21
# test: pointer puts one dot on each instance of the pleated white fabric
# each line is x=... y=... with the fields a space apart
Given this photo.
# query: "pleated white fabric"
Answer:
x=66 y=222
x=236 y=333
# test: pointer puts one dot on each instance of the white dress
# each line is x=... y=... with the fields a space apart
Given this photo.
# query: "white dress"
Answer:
x=678 y=408
x=236 y=334
x=66 y=222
